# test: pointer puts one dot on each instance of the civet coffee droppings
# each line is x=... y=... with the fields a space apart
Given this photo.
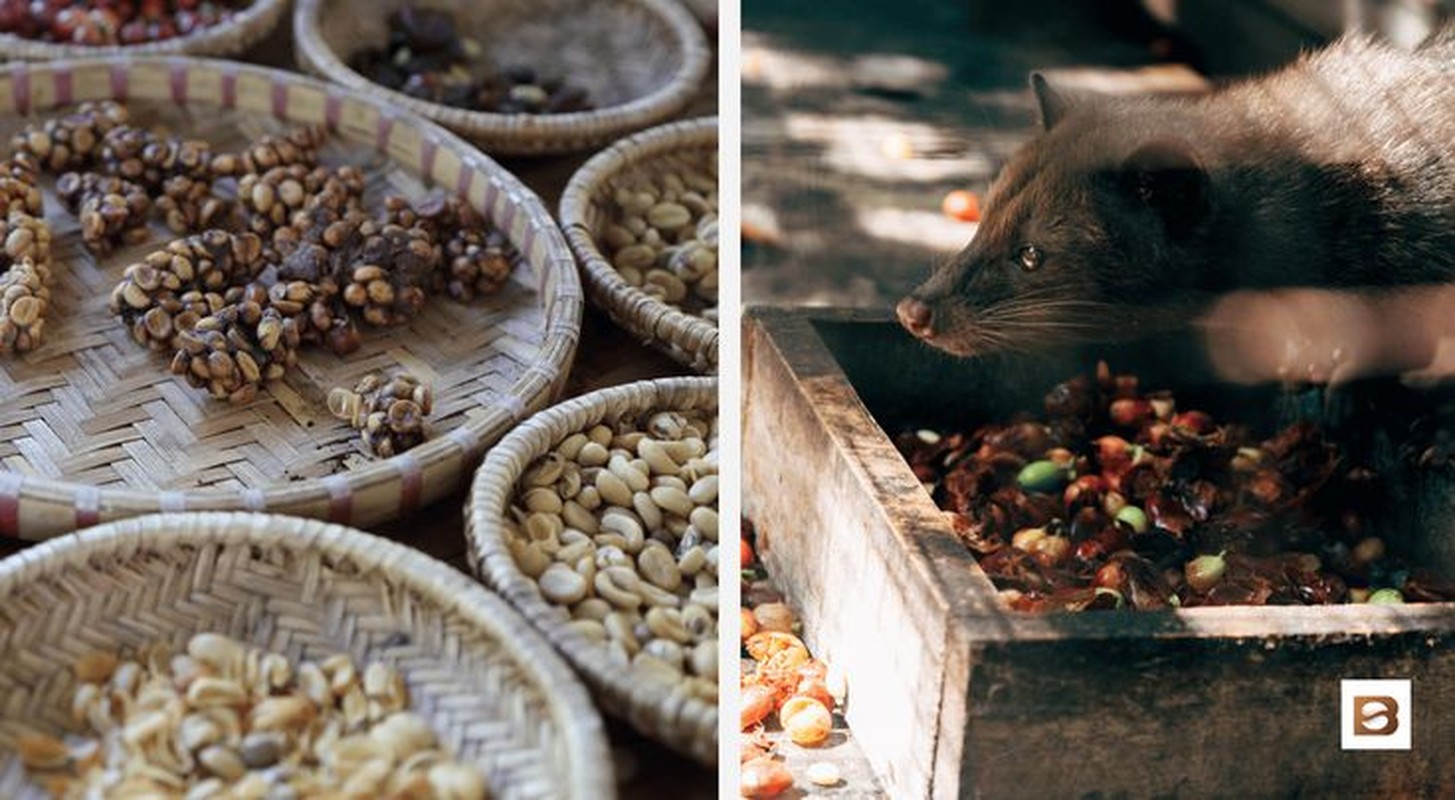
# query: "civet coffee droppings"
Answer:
x=427 y=58
x=290 y=259
x=661 y=235
x=618 y=526
x=388 y=412
x=224 y=720
x=111 y=22
x=1117 y=498
x=111 y=210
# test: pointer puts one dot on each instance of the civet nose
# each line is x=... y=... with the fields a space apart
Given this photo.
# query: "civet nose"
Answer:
x=916 y=316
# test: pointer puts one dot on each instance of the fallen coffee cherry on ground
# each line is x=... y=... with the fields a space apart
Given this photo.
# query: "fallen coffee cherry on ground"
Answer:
x=788 y=699
x=961 y=205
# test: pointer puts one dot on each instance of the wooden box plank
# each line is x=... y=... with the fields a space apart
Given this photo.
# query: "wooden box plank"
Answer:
x=952 y=695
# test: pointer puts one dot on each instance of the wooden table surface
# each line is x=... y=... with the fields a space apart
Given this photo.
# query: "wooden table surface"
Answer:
x=606 y=356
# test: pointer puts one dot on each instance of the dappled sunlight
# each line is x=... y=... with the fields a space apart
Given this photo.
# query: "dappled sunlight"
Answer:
x=887 y=149
x=764 y=65
x=779 y=69
x=929 y=229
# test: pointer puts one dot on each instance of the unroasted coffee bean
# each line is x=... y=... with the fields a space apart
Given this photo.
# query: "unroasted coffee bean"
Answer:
x=248 y=724
x=661 y=235
x=639 y=578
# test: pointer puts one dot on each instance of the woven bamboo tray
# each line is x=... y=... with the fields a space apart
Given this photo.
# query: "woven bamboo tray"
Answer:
x=228 y=39
x=655 y=707
x=642 y=61
x=93 y=428
x=490 y=686
x=686 y=338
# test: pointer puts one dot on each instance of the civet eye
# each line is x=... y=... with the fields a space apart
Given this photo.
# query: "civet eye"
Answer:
x=1029 y=257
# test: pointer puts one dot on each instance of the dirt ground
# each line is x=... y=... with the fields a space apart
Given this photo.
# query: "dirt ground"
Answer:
x=859 y=117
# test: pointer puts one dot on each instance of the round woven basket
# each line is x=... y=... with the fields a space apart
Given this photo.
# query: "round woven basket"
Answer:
x=490 y=686
x=656 y=707
x=94 y=428
x=687 y=338
x=244 y=30
x=640 y=60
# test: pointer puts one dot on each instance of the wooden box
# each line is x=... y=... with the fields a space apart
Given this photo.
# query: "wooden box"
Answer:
x=952 y=695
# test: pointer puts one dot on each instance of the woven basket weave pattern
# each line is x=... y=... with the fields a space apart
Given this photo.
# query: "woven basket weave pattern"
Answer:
x=99 y=428
x=688 y=339
x=490 y=687
x=246 y=29
x=641 y=61
x=658 y=709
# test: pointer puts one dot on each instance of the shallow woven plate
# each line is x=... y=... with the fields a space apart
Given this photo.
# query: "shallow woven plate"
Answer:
x=688 y=339
x=655 y=707
x=236 y=35
x=641 y=60
x=489 y=685
x=93 y=427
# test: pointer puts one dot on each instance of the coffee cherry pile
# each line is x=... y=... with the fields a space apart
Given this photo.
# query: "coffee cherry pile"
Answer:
x=99 y=23
x=1117 y=498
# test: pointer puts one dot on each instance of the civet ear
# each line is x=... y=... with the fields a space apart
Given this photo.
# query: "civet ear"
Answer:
x=1054 y=102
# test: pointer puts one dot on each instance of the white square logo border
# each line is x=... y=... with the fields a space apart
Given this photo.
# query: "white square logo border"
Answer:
x=1375 y=714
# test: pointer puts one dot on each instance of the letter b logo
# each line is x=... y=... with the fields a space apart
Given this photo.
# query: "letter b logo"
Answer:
x=1375 y=714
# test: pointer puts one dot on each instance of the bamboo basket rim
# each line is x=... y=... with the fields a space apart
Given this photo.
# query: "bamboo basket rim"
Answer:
x=334 y=496
x=528 y=133
x=249 y=27
x=589 y=767
x=687 y=725
x=686 y=338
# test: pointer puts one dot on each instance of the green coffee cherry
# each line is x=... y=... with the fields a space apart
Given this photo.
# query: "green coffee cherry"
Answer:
x=1042 y=476
x=1386 y=597
x=1134 y=517
x=1204 y=572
